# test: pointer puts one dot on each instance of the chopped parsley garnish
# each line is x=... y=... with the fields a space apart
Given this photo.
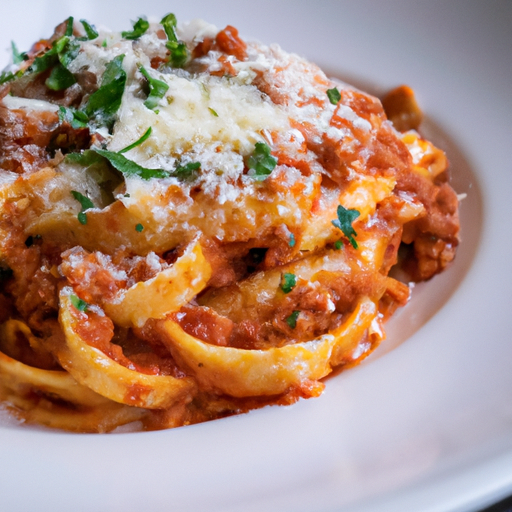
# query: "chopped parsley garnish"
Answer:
x=128 y=167
x=338 y=245
x=178 y=50
x=146 y=135
x=91 y=157
x=334 y=95
x=169 y=23
x=157 y=89
x=105 y=102
x=186 y=171
x=90 y=30
x=60 y=78
x=85 y=202
x=291 y=243
x=58 y=57
x=76 y=118
x=86 y=158
x=69 y=52
x=139 y=228
x=17 y=56
x=64 y=50
x=179 y=53
x=344 y=223
x=213 y=112
x=139 y=28
x=44 y=62
x=262 y=161
x=288 y=282
x=69 y=27
x=292 y=319
x=78 y=303
x=7 y=76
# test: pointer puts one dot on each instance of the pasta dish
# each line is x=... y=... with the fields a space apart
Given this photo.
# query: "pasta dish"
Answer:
x=193 y=225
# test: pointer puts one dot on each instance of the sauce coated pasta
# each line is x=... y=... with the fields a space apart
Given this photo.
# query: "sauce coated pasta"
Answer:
x=193 y=226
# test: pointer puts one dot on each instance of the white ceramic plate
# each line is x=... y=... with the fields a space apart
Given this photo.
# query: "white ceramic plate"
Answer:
x=426 y=426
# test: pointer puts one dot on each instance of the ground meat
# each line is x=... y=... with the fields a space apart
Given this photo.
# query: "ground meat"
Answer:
x=34 y=287
x=204 y=323
x=29 y=138
x=99 y=277
x=24 y=136
x=434 y=236
x=92 y=275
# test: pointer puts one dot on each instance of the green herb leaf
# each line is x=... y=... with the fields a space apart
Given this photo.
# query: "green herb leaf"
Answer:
x=85 y=202
x=338 y=245
x=69 y=52
x=63 y=50
x=79 y=304
x=213 y=112
x=139 y=228
x=178 y=53
x=113 y=71
x=58 y=57
x=292 y=319
x=139 y=28
x=44 y=62
x=105 y=102
x=128 y=167
x=344 y=222
x=292 y=242
x=86 y=158
x=186 y=171
x=146 y=135
x=334 y=95
x=76 y=118
x=90 y=30
x=69 y=27
x=288 y=282
x=59 y=45
x=60 y=78
x=262 y=161
x=17 y=57
x=157 y=89
x=178 y=50
x=82 y=218
x=169 y=23
x=6 y=76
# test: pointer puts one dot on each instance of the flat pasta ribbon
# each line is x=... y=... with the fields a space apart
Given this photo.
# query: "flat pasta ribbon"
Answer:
x=54 y=398
x=242 y=373
x=165 y=293
x=94 y=369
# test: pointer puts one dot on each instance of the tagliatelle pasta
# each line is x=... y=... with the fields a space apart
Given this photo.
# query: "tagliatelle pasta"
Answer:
x=193 y=225
x=165 y=293
x=241 y=372
x=93 y=368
